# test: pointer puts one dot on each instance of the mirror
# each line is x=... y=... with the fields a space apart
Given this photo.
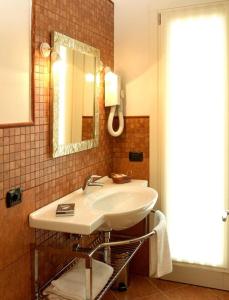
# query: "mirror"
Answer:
x=75 y=83
x=15 y=63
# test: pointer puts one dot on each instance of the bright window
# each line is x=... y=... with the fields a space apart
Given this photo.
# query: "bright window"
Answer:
x=195 y=126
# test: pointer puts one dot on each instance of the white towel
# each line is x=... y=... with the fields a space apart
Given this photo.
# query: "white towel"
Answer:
x=160 y=258
x=72 y=284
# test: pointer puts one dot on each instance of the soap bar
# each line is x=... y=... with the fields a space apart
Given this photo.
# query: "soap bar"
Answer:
x=120 y=178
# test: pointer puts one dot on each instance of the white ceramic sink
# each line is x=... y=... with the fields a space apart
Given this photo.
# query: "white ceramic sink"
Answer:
x=115 y=206
x=123 y=207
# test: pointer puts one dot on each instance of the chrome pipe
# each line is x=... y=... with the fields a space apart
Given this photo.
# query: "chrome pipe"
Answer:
x=121 y=243
x=36 y=273
x=107 y=249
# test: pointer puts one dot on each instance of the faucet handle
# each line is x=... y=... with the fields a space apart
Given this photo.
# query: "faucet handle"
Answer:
x=91 y=181
x=94 y=177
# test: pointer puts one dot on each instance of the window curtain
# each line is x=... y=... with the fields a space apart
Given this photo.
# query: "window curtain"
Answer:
x=193 y=95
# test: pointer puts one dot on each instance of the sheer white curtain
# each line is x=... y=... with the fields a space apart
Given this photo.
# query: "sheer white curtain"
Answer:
x=194 y=131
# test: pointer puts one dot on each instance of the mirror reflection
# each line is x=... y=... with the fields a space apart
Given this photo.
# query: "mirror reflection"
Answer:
x=78 y=87
x=75 y=69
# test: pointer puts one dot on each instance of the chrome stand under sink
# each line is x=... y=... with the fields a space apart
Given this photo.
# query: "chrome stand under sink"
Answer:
x=117 y=253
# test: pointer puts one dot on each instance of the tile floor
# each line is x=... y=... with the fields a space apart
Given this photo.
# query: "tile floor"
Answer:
x=143 y=288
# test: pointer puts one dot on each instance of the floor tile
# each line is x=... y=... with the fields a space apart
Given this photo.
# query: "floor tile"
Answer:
x=191 y=293
x=109 y=296
x=139 y=287
x=157 y=296
x=165 y=285
x=222 y=294
x=144 y=288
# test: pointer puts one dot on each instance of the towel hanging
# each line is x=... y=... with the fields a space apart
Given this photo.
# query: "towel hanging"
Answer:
x=160 y=257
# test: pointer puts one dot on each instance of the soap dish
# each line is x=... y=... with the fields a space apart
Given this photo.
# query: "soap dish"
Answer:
x=120 y=178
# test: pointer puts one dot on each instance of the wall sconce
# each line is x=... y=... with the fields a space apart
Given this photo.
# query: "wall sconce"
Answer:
x=46 y=50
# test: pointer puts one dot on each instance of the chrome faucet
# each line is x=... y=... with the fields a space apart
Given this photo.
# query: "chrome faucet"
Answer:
x=91 y=181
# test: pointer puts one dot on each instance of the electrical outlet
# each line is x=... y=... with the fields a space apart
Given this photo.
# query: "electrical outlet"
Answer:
x=13 y=197
x=135 y=156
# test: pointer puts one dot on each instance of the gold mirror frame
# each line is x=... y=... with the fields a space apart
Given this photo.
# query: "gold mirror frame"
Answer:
x=59 y=39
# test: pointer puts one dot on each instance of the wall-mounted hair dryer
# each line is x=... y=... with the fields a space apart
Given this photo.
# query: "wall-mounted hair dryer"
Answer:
x=113 y=98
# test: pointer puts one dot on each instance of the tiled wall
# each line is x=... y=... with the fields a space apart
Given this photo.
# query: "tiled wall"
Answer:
x=25 y=158
x=135 y=138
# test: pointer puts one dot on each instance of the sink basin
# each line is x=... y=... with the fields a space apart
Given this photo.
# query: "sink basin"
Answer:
x=124 y=207
x=115 y=206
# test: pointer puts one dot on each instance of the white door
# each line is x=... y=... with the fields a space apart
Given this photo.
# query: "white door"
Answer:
x=194 y=128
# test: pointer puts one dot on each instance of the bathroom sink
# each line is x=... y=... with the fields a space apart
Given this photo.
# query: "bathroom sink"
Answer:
x=124 y=207
x=114 y=206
